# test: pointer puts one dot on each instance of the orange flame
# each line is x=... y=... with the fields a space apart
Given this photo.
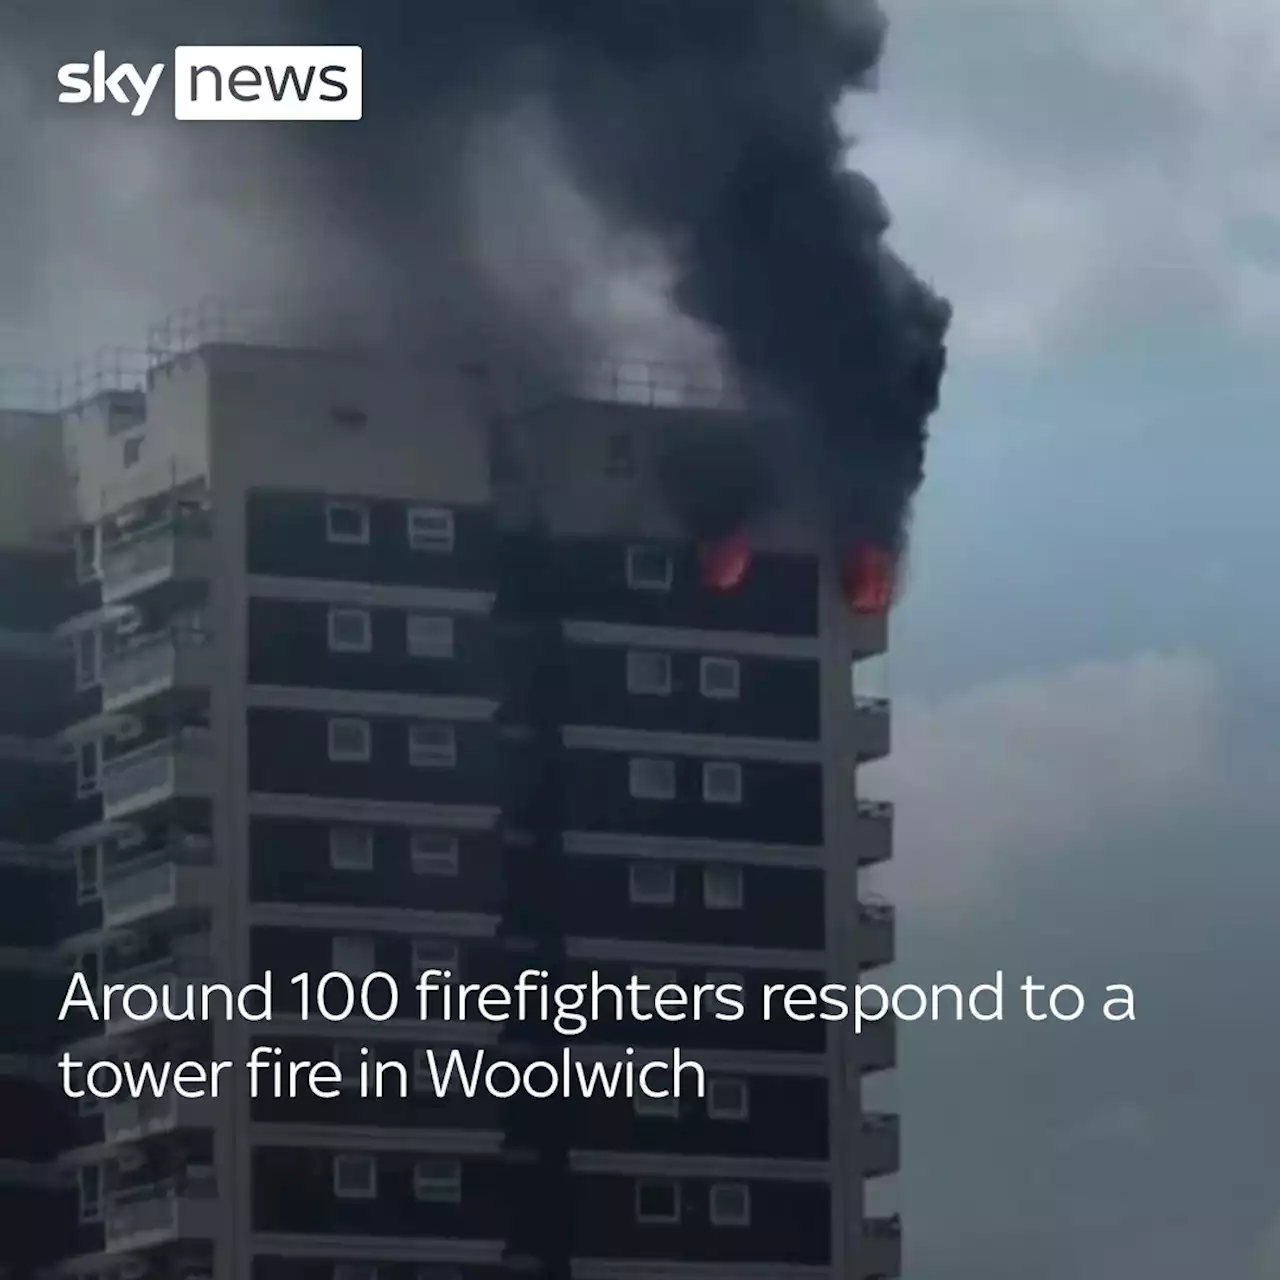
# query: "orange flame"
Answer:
x=723 y=564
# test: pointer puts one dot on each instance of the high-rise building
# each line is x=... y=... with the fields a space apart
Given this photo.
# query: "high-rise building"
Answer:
x=313 y=662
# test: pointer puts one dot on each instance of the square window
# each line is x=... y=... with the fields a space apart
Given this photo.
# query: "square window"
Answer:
x=88 y=767
x=667 y=1108
x=356 y=955
x=87 y=647
x=730 y=1204
x=722 y=782
x=355 y=1177
x=433 y=853
x=651 y=779
x=648 y=673
x=649 y=569
x=720 y=678
x=430 y=529
x=432 y=745
x=428 y=636
x=89 y=1179
x=652 y=884
x=351 y=848
x=438 y=1181
x=347 y=522
x=350 y=740
x=722 y=888
x=350 y=630
x=88 y=872
x=650 y=983
x=435 y=953
x=728 y=1099
x=657 y=1200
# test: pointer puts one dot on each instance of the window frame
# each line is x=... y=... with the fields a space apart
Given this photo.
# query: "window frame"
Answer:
x=88 y=780
x=367 y=856
x=647 y=1108
x=370 y=1191
x=640 y=688
x=731 y=768
x=434 y=864
x=637 y=581
x=358 y=971
x=636 y=765
x=651 y=1219
x=720 y=1219
x=88 y=888
x=445 y=543
x=452 y=964
x=739 y=879
x=712 y=662
x=347 y=506
x=719 y=1112
x=453 y=1185
x=347 y=612
x=344 y=757
x=440 y=652
x=86 y=657
x=639 y=898
x=420 y=761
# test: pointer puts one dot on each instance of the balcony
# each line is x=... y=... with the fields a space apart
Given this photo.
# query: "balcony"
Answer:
x=873 y=832
x=871 y=717
x=881 y=1145
x=878 y=1046
x=180 y=765
x=876 y=934
x=171 y=973
x=881 y=1248
x=142 y=1217
x=134 y=1119
x=173 y=550
x=171 y=881
x=176 y=658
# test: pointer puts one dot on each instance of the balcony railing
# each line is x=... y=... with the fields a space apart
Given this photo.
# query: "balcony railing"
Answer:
x=155 y=882
x=873 y=716
x=881 y=1138
x=146 y=663
x=136 y=1118
x=170 y=973
x=150 y=555
x=154 y=1209
x=129 y=781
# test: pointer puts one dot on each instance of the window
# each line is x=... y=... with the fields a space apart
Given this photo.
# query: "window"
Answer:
x=88 y=872
x=350 y=630
x=722 y=782
x=351 y=848
x=88 y=767
x=657 y=1200
x=650 y=982
x=648 y=672
x=728 y=1099
x=347 y=522
x=719 y=678
x=730 y=1204
x=355 y=1177
x=652 y=884
x=722 y=888
x=88 y=542
x=87 y=647
x=432 y=745
x=354 y=954
x=434 y=953
x=427 y=636
x=433 y=853
x=355 y=1271
x=648 y=569
x=350 y=741
x=346 y=1057
x=132 y=450
x=430 y=529
x=652 y=779
x=667 y=1108
x=438 y=1181
x=89 y=1179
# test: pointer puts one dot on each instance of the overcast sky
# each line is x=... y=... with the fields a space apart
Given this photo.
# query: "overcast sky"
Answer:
x=1085 y=752
x=1086 y=759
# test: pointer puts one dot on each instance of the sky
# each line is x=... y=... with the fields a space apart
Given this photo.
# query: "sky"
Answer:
x=1085 y=761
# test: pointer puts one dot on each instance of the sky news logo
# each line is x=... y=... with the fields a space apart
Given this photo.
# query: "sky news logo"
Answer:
x=230 y=82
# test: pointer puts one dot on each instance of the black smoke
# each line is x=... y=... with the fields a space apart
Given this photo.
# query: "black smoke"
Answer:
x=704 y=127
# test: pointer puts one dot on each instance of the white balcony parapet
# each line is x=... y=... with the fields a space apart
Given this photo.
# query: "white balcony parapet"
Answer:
x=136 y=1118
x=164 y=880
x=158 y=1211
x=152 y=555
x=148 y=664
x=152 y=773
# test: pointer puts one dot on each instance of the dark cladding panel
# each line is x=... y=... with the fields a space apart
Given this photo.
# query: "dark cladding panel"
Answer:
x=778 y=596
x=289 y=537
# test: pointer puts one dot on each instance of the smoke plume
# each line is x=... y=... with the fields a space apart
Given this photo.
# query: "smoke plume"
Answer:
x=509 y=147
